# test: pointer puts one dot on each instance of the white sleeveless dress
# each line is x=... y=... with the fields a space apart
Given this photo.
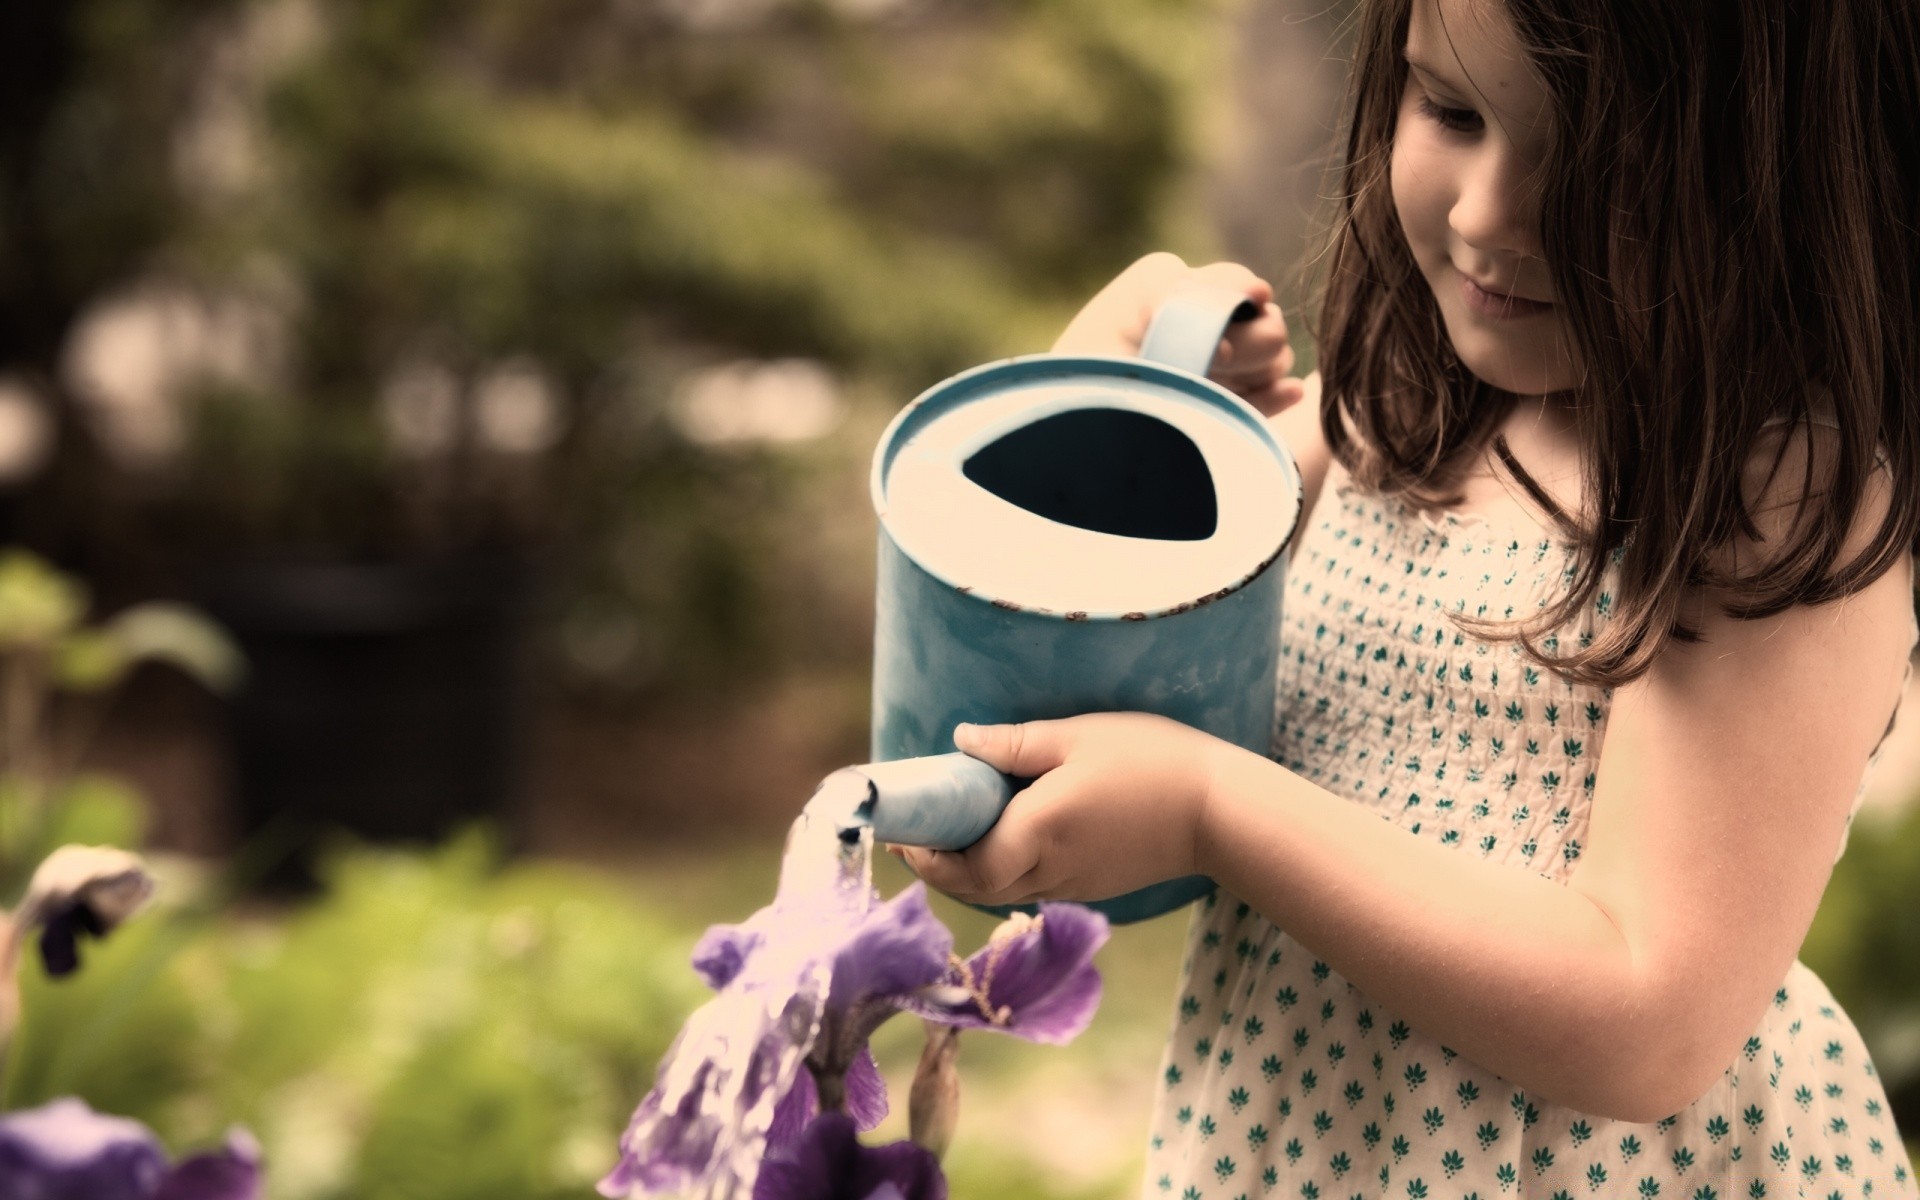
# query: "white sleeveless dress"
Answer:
x=1281 y=1079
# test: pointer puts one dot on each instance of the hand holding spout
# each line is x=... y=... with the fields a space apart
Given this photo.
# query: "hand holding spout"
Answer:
x=1114 y=806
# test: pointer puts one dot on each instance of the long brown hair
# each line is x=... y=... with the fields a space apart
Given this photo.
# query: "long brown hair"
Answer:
x=1730 y=208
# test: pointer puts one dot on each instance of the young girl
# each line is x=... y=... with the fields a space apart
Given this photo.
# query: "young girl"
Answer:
x=1602 y=607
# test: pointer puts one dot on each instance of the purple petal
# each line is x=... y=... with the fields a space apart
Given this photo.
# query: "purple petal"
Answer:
x=899 y=946
x=792 y=1114
x=722 y=951
x=66 y=1151
x=866 y=1091
x=829 y=1163
x=1043 y=978
x=229 y=1173
x=911 y=1170
x=60 y=937
x=866 y=1102
x=675 y=1153
x=1049 y=981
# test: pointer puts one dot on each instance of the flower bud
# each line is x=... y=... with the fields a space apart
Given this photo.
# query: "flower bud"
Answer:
x=933 y=1105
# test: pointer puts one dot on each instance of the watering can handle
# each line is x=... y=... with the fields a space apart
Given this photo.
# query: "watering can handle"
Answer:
x=1187 y=327
x=942 y=802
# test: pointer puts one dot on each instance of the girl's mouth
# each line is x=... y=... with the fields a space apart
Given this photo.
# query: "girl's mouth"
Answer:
x=1498 y=305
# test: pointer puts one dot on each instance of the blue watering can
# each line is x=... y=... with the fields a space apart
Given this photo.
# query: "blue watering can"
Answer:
x=1063 y=535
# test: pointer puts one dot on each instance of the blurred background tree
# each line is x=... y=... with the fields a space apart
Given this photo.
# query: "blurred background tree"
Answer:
x=428 y=273
x=351 y=316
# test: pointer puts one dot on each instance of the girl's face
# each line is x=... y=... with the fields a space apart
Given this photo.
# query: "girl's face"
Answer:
x=1472 y=130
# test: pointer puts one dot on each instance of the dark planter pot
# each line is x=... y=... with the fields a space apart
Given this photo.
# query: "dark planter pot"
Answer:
x=381 y=698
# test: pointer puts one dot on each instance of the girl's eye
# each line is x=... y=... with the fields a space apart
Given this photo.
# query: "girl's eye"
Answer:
x=1460 y=120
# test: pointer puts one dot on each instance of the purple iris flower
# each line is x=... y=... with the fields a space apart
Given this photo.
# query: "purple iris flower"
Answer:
x=66 y=1151
x=866 y=1098
x=1034 y=979
x=858 y=964
x=899 y=949
x=829 y=1163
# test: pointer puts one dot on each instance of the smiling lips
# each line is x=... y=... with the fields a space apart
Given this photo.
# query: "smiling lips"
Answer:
x=1499 y=305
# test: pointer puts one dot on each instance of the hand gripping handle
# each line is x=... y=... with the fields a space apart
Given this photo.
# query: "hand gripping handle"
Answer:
x=1187 y=327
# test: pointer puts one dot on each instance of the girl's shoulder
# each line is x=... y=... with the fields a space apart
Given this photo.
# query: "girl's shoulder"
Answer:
x=1785 y=481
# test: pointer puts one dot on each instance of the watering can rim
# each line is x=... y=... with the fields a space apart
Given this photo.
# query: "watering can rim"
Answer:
x=1067 y=366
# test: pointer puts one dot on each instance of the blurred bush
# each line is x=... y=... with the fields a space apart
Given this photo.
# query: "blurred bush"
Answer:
x=1865 y=944
x=436 y=1028
x=60 y=671
x=443 y=1026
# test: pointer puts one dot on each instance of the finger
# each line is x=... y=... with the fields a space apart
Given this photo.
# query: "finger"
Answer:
x=1114 y=321
x=1160 y=270
x=1276 y=397
x=1238 y=278
x=1028 y=749
x=1255 y=343
x=995 y=867
x=1025 y=890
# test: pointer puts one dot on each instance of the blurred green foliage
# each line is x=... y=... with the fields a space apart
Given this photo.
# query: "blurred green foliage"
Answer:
x=599 y=193
x=1865 y=944
x=53 y=659
x=446 y=1026
x=438 y=1027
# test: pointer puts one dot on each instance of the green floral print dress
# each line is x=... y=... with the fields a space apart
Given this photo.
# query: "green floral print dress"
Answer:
x=1282 y=1080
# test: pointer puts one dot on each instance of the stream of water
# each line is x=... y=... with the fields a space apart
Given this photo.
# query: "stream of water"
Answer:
x=711 y=1079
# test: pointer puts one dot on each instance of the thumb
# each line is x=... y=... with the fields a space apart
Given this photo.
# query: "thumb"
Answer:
x=1027 y=749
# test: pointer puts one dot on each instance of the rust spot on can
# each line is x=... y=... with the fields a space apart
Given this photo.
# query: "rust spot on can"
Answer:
x=1133 y=616
x=1009 y=605
x=1077 y=615
x=963 y=590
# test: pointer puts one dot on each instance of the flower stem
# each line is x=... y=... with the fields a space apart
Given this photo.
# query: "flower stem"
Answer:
x=933 y=1106
x=833 y=1090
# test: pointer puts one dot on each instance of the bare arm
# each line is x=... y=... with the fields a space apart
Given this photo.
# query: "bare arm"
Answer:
x=1298 y=428
x=1722 y=790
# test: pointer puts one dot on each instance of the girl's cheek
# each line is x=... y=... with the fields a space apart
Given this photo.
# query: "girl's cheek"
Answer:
x=1418 y=177
x=1403 y=175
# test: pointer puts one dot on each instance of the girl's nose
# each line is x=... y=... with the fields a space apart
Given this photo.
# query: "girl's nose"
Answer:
x=1497 y=207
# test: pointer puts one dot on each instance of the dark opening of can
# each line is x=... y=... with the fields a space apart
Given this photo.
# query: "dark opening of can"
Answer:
x=1108 y=470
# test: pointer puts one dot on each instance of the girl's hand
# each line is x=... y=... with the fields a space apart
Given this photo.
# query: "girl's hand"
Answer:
x=1114 y=806
x=1255 y=359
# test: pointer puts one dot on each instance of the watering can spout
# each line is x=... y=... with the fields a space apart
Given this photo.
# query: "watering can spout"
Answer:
x=941 y=802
